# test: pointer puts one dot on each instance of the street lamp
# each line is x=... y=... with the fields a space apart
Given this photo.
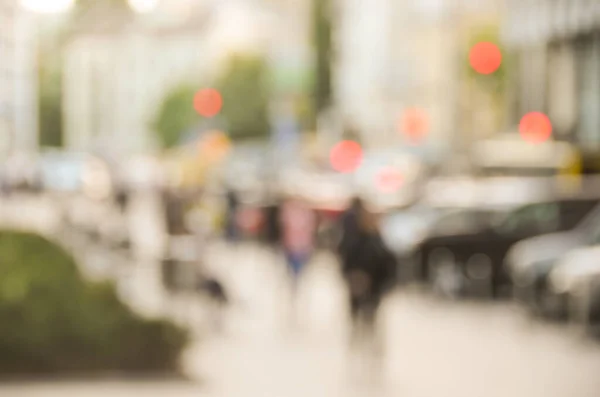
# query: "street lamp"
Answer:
x=47 y=6
x=143 y=6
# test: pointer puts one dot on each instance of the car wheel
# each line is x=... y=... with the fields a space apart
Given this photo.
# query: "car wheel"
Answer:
x=479 y=271
x=445 y=275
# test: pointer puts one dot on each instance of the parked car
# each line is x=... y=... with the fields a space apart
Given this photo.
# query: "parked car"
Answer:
x=572 y=287
x=405 y=231
x=402 y=230
x=474 y=260
x=451 y=206
x=531 y=262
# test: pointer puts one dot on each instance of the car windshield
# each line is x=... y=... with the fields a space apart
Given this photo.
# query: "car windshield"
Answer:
x=590 y=226
x=573 y=212
x=461 y=221
x=532 y=218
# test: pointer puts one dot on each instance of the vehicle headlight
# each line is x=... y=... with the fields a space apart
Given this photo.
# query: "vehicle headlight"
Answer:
x=512 y=260
x=560 y=283
x=524 y=276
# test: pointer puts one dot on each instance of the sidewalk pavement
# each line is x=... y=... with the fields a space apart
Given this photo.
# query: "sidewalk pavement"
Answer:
x=433 y=348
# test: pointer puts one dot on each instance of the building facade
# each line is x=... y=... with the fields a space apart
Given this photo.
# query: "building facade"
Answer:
x=396 y=55
x=18 y=80
x=118 y=73
x=557 y=45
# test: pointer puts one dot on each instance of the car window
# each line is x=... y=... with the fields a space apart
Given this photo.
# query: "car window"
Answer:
x=573 y=212
x=533 y=218
x=457 y=222
x=590 y=227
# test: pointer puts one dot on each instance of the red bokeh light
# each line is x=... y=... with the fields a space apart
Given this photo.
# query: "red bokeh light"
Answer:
x=389 y=180
x=485 y=58
x=414 y=124
x=346 y=156
x=208 y=102
x=535 y=127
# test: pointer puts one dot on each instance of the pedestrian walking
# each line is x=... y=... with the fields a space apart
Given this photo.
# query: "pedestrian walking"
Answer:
x=368 y=269
x=298 y=227
x=272 y=230
x=298 y=223
x=368 y=266
x=231 y=217
x=122 y=197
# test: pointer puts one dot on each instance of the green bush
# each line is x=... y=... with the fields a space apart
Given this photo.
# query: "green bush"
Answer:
x=52 y=321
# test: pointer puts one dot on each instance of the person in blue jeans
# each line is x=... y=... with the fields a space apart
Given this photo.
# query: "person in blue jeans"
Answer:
x=298 y=222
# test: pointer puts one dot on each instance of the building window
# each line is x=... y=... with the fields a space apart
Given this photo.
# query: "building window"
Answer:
x=562 y=89
x=588 y=62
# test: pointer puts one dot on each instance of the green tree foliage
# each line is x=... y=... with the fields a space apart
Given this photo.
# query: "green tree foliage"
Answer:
x=49 y=69
x=50 y=102
x=322 y=39
x=53 y=321
x=176 y=116
x=244 y=87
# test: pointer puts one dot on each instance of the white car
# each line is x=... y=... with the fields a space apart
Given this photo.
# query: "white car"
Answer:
x=532 y=263
x=572 y=281
x=574 y=268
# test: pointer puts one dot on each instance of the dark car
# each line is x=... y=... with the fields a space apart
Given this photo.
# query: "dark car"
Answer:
x=471 y=263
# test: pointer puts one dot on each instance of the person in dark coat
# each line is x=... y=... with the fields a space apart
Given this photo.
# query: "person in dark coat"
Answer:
x=350 y=226
x=273 y=224
x=368 y=266
x=231 y=226
x=122 y=197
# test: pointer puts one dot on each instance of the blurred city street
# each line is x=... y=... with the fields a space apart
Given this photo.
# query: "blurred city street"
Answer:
x=300 y=198
x=433 y=348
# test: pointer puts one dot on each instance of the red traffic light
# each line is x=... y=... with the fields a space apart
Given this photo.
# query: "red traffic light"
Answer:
x=414 y=124
x=208 y=102
x=346 y=156
x=535 y=127
x=485 y=58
